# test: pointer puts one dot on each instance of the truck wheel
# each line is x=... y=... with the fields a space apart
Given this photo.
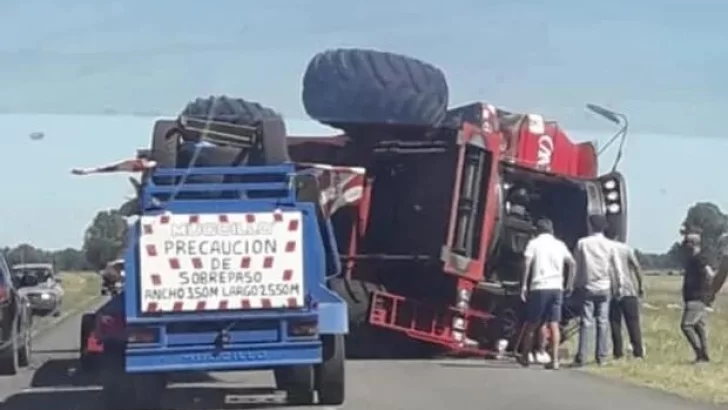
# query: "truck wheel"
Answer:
x=124 y=391
x=26 y=349
x=349 y=87
x=9 y=356
x=242 y=112
x=330 y=374
x=297 y=382
x=88 y=322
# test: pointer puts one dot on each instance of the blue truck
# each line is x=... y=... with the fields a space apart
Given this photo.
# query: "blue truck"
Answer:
x=225 y=274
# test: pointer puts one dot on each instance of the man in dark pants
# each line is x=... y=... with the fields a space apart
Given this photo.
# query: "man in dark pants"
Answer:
x=626 y=303
x=697 y=292
x=596 y=282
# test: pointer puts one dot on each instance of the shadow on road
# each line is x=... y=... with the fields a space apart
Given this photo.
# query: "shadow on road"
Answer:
x=62 y=373
x=67 y=373
x=479 y=364
x=175 y=398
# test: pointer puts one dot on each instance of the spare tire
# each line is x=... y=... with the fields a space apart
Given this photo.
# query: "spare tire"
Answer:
x=164 y=148
x=350 y=87
x=242 y=112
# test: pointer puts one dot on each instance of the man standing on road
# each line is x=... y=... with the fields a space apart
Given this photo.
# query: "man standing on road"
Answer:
x=697 y=294
x=626 y=304
x=596 y=281
x=543 y=285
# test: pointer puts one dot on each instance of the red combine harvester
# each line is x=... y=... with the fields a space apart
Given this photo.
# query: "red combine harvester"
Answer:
x=433 y=242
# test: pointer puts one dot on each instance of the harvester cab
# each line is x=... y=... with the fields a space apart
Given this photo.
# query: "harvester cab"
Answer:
x=226 y=269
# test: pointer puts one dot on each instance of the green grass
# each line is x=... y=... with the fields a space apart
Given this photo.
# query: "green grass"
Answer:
x=81 y=288
x=668 y=363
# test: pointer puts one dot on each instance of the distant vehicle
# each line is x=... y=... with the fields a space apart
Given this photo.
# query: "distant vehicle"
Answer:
x=15 y=324
x=42 y=287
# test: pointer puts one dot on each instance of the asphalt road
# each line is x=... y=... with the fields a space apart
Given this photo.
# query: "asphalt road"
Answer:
x=53 y=383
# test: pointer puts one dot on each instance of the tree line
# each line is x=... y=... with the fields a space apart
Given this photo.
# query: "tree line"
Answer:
x=103 y=241
x=105 y=236
x=704 y=218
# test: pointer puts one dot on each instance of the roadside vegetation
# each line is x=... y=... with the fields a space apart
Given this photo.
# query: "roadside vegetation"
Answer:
x=668 y=365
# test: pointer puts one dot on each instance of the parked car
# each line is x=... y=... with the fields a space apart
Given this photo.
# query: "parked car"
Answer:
x=42 y=287
x=15 y=324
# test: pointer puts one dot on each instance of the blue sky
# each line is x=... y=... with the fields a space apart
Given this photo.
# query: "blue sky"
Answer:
x=663 y=63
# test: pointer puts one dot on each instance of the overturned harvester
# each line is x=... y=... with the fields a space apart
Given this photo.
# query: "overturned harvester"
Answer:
x=433 y=243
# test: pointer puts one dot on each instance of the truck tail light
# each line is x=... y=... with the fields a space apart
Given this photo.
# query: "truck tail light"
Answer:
x=4 y=294
x=302 y=328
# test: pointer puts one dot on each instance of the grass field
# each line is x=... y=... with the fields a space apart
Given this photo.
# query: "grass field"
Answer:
x=80 y=289
x=668 y=362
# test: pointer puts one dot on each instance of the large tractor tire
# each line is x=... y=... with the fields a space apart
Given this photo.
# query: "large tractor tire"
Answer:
x=240 y=112
x=350 y=88
x=165 y=143
x=365 y=341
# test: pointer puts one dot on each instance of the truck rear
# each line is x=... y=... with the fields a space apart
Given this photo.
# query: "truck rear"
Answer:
x=225 y=276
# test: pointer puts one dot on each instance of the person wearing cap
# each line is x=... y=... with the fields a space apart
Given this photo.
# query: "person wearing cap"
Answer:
x=542 y=287
x=626 y=303
x=595 y=283
x=697 y=295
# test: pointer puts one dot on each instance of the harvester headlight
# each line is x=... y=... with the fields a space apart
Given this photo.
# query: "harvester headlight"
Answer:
x=464 y=294
x=610 y=184
x=613 y=208
x=613 y=196
x=458 y=323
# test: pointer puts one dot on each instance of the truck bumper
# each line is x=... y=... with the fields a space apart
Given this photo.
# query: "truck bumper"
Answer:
x=235 y=357
x=43 y=305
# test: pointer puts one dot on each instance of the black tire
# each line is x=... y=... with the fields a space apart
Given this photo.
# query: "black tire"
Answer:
x=87 y=360
x=165 y=144
x=330 y=374
x=9 y=363
x=297 y=382
x=351 y=87
x=363 y=340
x=242 y=112
x=25 y=351
x=125 y=391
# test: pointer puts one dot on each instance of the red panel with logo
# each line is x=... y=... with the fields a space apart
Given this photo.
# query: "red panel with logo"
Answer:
x=543 y=145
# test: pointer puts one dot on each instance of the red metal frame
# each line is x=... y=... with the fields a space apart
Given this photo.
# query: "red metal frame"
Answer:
x=421 y=321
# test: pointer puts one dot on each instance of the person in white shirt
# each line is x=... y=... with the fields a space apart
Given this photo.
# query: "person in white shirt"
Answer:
x=542 y=287
x=595 y=283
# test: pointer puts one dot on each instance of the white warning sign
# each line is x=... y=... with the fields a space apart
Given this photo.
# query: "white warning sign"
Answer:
x=221 y=261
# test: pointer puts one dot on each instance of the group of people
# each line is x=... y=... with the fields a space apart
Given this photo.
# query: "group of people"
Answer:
x=603 y=280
